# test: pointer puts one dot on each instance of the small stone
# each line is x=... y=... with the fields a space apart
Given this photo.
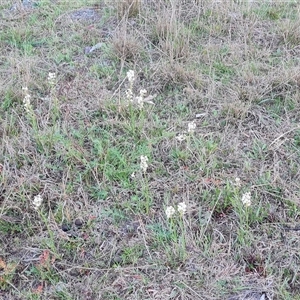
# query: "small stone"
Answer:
x=117 y=259
x=79 y=223
x=87 y=50
x=200 y=115
x=65 y=227
x=74 y=272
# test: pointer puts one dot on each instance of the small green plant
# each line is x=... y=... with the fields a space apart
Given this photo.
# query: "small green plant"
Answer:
x=137 y=101
x=176 y=223
x=29 y=110
x=7 y=272
x=54 y=105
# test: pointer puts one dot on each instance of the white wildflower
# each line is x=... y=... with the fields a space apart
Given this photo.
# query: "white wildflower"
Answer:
x=130 y=76
x=181 y=207
x=191 y=127
x=143 y=164
x=140 y=99
x=246 y=199
x=26 y=100
x=143 y=93
x=139 y=102
x=180 y=137
x=238 y=182
x=52 y=78
x=129 y=91
x=132 y=176
x=129 y=95
x=37 y=201
x=170 y=211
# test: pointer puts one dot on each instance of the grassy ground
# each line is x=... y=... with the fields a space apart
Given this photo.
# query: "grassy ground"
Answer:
x=82 y=217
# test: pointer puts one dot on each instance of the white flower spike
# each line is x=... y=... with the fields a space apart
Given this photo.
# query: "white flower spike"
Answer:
x=52 y=78
x=238 y=182
x=144 y=164
x=170 y=211
x=37 y=202
x=26 y=100
x=191 y=127
x=129 y=95
x=130 y=76
x=180 y=138
x=181 y=207
x=246 y=199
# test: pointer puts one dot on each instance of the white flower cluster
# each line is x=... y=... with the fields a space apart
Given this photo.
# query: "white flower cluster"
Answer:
x=144 y=163
x=191 y=127
x=131 y=77
x=246 y=199
x=170 y=211
x=191 y=130
x=238 y=182
x=181 y=208
x=52 y=78
x=26 y=100
x=181 y=137
x=129 y=95
x=138 y=100
x=37 y=202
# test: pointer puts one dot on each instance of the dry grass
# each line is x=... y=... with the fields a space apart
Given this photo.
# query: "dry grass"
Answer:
x=126 y=45
x=128 y=8
x=231 y=68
